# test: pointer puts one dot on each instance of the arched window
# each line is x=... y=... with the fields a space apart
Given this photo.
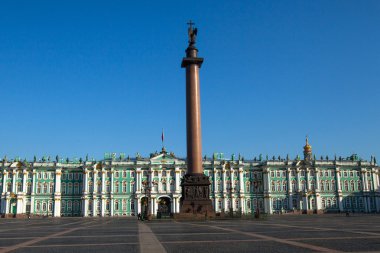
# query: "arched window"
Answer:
x=272 y=174
x=108 y=187
x=124 y=187
x=322 y=185
x=124 y=203
x=107 y=205
x=38 y=206
x=29 y=188
x=90 y=203
x=352 y=185
x=63 y=186
x=99 y=187
x=359 y=185
x=132 y=174
x=70 y=188
x=273 y=188
x=219 y=183
x=278 y=174
x=50 y=207
x=164 y=173
x=45 y=187
x=323 y=203
x=69 y=205
x=51 y=188
x=117 y=174
x=219 y=204
x=19 y=187
x=328 y=203
x=346 y=185
x=248 y=204
x=369 y=185
x=124 y=173
x=284 y=186
x=132 y=187
x=327 y=186
x=333 y=185
x=10 y=187
x=116 y=187
x=172 y=185
x=117 y=205
x=91 y=186
x=164 y=185
x=237 y=204
x=334 y=202
x=312 y=185
x=63 y=205
x=44 y=206
x=303 y=185
x=278 y=186
x=248 y=186
x=294 y=185
x=313 y=203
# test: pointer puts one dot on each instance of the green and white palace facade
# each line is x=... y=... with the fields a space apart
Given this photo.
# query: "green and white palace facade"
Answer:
x=122 y=186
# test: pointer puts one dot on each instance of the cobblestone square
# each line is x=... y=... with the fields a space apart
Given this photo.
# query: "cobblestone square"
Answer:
x=277 y=233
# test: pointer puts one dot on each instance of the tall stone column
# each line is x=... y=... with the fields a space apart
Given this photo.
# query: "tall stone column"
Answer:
x=195 y=184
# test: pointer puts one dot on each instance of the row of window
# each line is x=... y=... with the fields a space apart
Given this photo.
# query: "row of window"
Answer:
x=118 y=205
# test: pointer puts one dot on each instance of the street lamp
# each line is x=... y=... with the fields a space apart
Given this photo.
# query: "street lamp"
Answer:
x=147 y=190
x=257 y=211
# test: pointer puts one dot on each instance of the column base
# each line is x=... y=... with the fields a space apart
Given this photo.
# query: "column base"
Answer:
x=195 y=198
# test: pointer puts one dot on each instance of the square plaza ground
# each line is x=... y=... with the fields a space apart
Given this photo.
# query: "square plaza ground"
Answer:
x=282 y=233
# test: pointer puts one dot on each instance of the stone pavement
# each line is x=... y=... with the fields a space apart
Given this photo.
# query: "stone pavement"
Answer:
x=282 y=233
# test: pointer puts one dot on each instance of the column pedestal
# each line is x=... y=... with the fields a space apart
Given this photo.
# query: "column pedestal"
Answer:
x=196 y=196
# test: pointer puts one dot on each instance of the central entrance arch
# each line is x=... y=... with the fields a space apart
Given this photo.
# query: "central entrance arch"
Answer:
x=164 y=207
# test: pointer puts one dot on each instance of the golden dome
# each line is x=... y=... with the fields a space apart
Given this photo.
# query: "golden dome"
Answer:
x=307 y=147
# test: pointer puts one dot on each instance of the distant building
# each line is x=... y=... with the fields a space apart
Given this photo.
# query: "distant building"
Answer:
x=123 y=186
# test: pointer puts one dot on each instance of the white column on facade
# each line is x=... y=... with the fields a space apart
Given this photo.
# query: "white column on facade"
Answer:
x=241 y=181
x=138 y=180
x=103 y=209
x=24 y=177
x=160 y=180
x=177 y=181
x=32 y=192
x=85 y=181
x=57 y=193
x=317 y=180
x=5 y=174
x=95 y=206
x=298 y=180
x=85 y=206
x=290 y=189
x=112 y=202
x=103 y=181
x=338 y=182
x=112 y=171
x=177 y=205
x=242 y=205
x=363 y=178
x=152 y=206
x=138 y=205
x=20 y=205
x=95 y=185
x=14 y=181
x=224 y=178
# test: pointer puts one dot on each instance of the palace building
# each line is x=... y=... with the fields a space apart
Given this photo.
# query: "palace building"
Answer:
x=125 y=187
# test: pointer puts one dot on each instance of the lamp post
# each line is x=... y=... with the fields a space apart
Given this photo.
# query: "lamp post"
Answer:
x=147 y=190
x=229 y=191
x=257 y=211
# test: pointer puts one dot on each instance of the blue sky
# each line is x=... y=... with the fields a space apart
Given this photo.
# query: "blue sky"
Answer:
x=80 y=77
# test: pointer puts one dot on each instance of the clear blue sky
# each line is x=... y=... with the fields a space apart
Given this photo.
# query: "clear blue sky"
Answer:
x=80 y=77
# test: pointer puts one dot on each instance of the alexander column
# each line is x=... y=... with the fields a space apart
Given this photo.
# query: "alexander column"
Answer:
x=195 y=185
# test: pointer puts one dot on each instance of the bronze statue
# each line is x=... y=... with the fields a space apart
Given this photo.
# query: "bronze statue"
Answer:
x=192 y=31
